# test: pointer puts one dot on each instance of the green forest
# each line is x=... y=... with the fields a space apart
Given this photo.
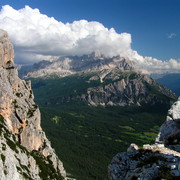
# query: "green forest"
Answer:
x=86 y=137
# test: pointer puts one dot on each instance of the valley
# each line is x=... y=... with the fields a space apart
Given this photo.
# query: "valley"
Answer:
x=89 y=90
x=87 y=137
x=93 y=107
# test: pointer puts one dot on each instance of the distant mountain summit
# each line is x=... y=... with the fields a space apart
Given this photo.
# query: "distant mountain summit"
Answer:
x=171 y=81
x=105 y=81
x=65 y=66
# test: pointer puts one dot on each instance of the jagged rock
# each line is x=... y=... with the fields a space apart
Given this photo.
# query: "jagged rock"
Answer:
x=146 y=163
x=6 y=51
x=158 y=161
x=21 y=119
x=127 y=89
x=110 y=87
x=65 y=66
x=170 y=131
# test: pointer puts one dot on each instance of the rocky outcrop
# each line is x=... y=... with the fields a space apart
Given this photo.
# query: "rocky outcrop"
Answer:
x=21 y=125
x=6 y=51
x=170 y=131
x=158 y=161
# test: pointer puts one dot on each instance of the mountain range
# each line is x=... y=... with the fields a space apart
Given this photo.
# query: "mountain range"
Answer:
x=92 y=107
x=69 y=65
x=95 y=103
x=107 y=81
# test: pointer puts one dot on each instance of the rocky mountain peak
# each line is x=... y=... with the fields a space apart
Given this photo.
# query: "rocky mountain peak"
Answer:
x=96 y=55
x=65 y=66
x=6 y=50
x=20 y=123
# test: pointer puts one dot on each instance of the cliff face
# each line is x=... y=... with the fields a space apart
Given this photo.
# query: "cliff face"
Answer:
x=158 y=161
x=21 y=120
x=109 y=87
x=170 y=131
x=126 y=89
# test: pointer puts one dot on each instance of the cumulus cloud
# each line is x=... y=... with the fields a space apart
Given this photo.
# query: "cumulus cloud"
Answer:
x=37 y=36
x=35 y=33
x=171 y=35
x=153 y=65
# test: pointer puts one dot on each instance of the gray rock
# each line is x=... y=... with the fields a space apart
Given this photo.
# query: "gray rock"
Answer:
x=129 y=89
x=169 y=133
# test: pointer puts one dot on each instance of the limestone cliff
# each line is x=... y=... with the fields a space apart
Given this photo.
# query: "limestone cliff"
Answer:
x=127 y=89
x=158 y=161
x=20 y=126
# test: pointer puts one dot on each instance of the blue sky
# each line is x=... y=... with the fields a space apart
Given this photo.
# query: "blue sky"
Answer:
x=145 y=31
x=150 y=22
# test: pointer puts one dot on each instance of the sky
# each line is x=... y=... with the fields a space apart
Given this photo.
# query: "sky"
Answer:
x=147 y=31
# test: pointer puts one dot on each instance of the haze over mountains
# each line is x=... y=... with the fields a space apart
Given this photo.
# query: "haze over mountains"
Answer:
x=171 y=81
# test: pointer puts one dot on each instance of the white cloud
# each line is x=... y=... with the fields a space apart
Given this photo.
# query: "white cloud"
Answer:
x=153 y=65
x=35 y=33
x=171 y=35
x=37 y=36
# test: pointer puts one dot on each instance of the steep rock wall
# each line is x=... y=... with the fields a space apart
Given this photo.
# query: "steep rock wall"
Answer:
x=20 y=114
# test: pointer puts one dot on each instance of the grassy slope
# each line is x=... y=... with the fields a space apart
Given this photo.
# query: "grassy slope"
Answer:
x=86 y=138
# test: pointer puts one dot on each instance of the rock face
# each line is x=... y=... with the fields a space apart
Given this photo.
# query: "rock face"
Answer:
x=6 y=50
x=170 y=131
x=107 y=88
x=158 y=161
x=21 y=135
x=127 y=89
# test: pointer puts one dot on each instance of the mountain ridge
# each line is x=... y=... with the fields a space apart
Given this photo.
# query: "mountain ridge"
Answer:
x=69 y=65
x=105 y=88
x=119 y=82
